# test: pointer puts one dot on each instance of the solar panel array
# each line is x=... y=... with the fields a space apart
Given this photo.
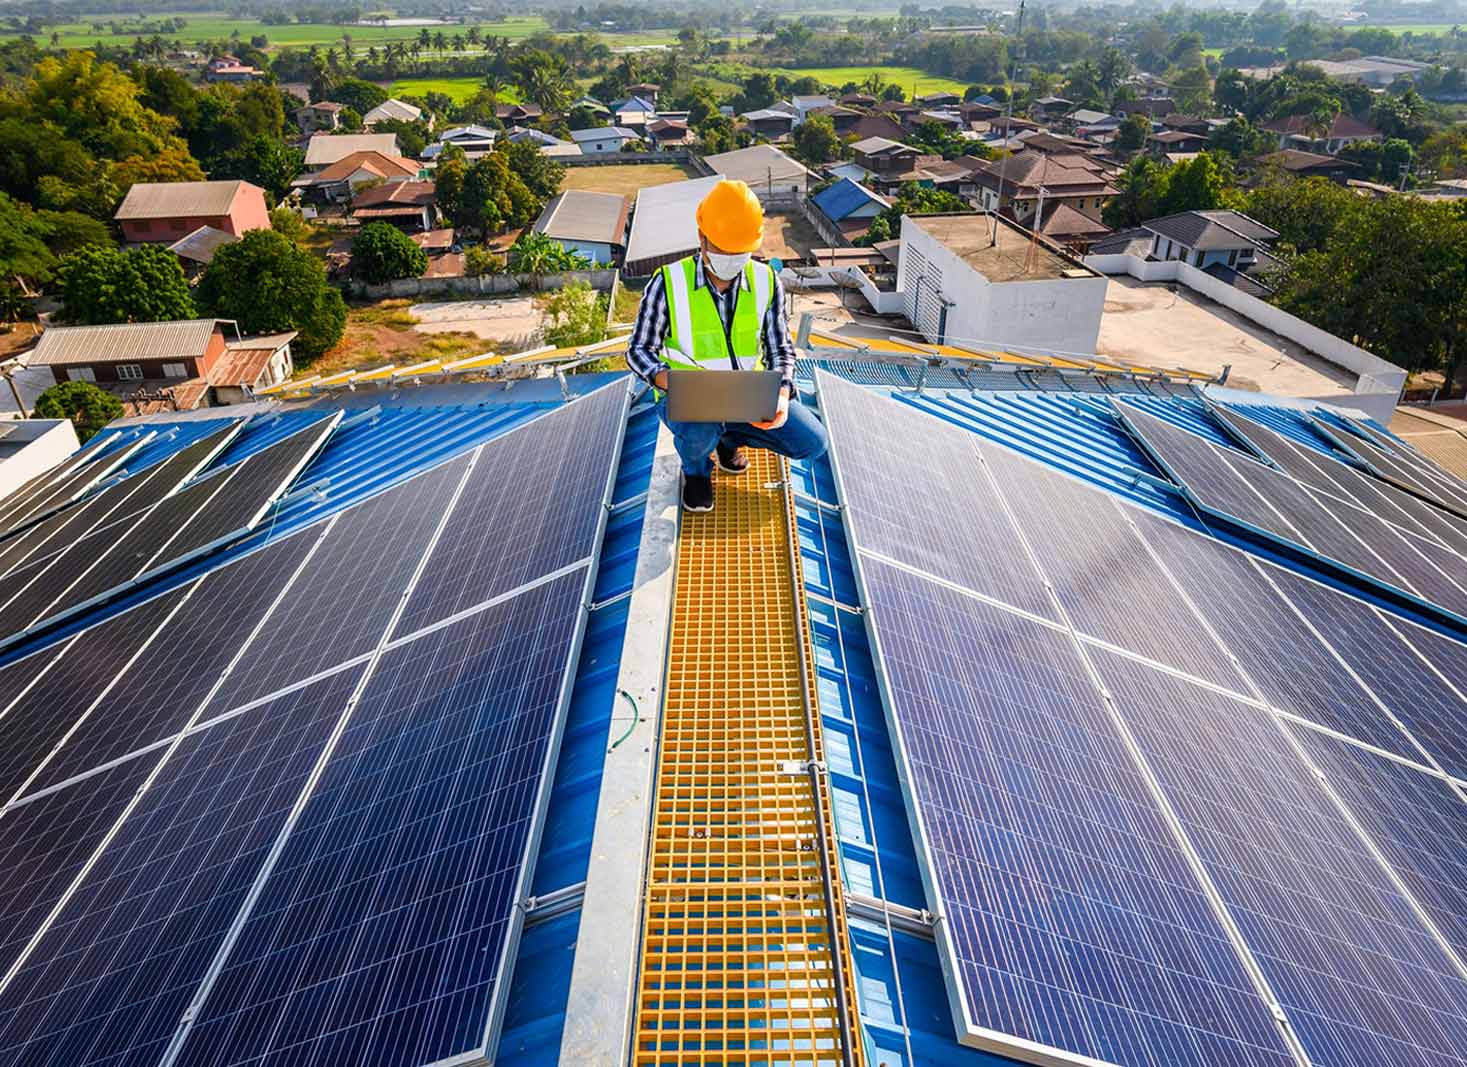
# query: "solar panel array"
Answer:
x=68 y=480
x=266 y=818
x=1199 y=809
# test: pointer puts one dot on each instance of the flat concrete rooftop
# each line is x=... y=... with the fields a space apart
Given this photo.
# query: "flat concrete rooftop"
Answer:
x=970 y=236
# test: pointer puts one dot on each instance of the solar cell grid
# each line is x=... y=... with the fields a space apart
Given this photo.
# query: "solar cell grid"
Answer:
x=1073 y=916
x=377 y=937
x=1432 y=475
x=1415 y=819
x=1292 y=669
x=339 y=606
x=532 y=504
x=45 y=843
x=1109 y=584
x=1362 y=979
x=62 y=490
x=87 y=667
x=1400 y=469
x=109 y=981
x=914 y=492
x=25 y=494
x=158 y=694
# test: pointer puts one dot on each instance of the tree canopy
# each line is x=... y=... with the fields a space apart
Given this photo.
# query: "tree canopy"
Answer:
x=103 y=284
x=88 y=407
x=268 y=285
x=382 y=253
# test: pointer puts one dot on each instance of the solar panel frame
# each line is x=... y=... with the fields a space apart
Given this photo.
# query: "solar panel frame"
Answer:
x=1392 y=469
x=61 y=489
x=27 y=490
x=1427 y=470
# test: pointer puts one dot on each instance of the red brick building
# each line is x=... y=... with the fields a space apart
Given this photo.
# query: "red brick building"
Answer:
x=162 y=212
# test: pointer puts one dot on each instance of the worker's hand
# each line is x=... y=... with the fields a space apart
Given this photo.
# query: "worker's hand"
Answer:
x=781 y=413
x=660 y=380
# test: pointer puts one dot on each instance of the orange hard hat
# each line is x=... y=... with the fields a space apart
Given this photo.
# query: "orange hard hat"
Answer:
x=732 y=218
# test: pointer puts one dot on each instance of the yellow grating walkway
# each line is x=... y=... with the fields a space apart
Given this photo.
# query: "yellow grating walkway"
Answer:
x=736 y=951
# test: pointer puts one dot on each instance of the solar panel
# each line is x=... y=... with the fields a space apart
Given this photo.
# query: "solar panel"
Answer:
x=86 y=668
x=1361 y=979
x=1397 y=469
x=533 y=503
x=913 y=492
x=45 y=843
x=381 y=935
x=155 y=697
x=1070 y=915
x=1277 y=505
x=26 y=493
x=1109 y=584
x=1414 y=818
x=315 y=627
x=112 y=975
x=1274 y=647
x=1441 y=482
x=1431 y=711
x=64 y=486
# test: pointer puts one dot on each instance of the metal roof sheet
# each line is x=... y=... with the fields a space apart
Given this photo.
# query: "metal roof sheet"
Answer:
x=665 y=221
x=124 y=341
x=581 y=215
x=326 y=148
x=163 y=200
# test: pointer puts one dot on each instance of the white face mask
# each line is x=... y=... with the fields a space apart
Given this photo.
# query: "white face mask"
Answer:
x=726 y=267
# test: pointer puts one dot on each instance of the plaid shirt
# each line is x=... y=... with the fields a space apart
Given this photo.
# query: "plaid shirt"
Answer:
x=649 y=335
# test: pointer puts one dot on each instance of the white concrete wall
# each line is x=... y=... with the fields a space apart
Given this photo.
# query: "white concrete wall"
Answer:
x=52 y=441
x=1376 y=376
x=1055 y=314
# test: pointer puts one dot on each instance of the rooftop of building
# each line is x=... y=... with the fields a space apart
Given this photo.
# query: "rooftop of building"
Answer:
x=162 y=200
x=999 y=250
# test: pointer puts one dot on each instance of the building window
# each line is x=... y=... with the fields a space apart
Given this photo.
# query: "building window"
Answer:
x=129 y=372
x=80 y=374
x=1197 y=260
x=175 y=370
x=1233 y=258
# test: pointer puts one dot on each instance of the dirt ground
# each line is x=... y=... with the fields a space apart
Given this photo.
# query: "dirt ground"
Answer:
x=788 y=237
x=625 y=179
x=511 y=321
x=387 y=332
x=1168 y=326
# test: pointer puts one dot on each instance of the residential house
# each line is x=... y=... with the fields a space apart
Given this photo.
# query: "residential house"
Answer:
x=667 y=134
x=946 y=119
x=900 y=111
x=126 y=357
x=338 y=182
x=325 y=149
x=475 y=141
x=869 y=126
x=879 y=155
x=516 y=114
x=1151 y=107
x=322 y=115
x=646 y=90
x=1065 y=226
x=1186 y=123
x=1293 y=131
x=766 y=170
x=634 y=112
x=804 y=105
x=768 y=122
x=1044 y=141
x=978 y=111
x=844 y=119
x=591 y=104
x=603 y=140
x=166 y=211
x=550 y=145
x=1012 y=185
x=849 y=207
x=394 y=110
x=1085 y=116
x=1176 y=141
x=229 y=69
x=591 y=224
x=933 y=101
x=195 y=251
x=1102 y=132
x=249 y=365
x=860 y=101
x=1204 y=238
x=1310 y=165
x=664 y=224
x=1052 y=107
x=411 y=206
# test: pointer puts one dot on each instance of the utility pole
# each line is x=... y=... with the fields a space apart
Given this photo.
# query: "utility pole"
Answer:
x=1007 y=118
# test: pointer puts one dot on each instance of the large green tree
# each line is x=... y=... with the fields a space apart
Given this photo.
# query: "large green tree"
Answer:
x=88 y=407
x=143 y=284
x=382 y=253
x=268 y=285
x=815 y=140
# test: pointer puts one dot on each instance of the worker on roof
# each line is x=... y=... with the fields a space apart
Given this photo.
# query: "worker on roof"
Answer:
x=729 y=308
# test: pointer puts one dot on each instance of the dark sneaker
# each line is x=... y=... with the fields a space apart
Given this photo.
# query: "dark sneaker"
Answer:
x=731 y=459
x=697 y=493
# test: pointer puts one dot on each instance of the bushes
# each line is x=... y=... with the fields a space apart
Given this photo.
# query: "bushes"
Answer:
x=383 y=253
x=88 y=407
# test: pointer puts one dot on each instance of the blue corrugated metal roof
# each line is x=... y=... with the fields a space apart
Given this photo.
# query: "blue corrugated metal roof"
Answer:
x=844 y=197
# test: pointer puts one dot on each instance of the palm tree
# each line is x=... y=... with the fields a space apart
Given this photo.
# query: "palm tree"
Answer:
x=1111 y=71
x=494 y=84
x=440 y=42
x=474 y=36
x=425 y=38
x=1320 y=120
x=458 y=42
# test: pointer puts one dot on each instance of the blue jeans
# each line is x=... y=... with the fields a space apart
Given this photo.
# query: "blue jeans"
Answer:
x=801 y=437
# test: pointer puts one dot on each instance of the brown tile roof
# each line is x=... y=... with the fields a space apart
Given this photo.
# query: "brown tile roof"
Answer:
x=1296 y=160
x=394 y=197
x=876 y=126
x=1063 y=221
x=1027 y=171
x=378 y=163
x=1343 y=126
x=163 y=200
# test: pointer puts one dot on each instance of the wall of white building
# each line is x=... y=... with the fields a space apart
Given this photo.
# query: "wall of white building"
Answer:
x=46 y=443
x=1051 y=314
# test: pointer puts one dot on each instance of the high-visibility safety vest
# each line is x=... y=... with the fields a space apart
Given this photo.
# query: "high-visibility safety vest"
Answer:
x=697 y=338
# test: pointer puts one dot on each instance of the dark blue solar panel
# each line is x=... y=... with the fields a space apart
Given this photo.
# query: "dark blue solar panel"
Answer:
x=1398 y=463
x=45 y=843
x=365 y=553
x=25 y=495
x=532 y=505
x=1108 y=582
x=1431 y=711
x=1275 y=648
x=1289 y=457
x=1072 y=915
x=157 y=695
x=108 y=983
x=67 y=486
x=377 y=939
x=85 y=669
x=914 y=492
x=1415 y=818
x=1361 y=979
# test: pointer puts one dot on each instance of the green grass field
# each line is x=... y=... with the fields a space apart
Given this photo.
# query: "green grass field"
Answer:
x=906 y=77
x=459 y=89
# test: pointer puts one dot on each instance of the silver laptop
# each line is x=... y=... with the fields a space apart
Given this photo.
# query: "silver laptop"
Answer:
x=722 y=395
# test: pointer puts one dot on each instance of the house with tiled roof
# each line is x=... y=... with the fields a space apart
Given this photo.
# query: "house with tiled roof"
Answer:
x=1294 y=131
x=324 y=149
x=322 y=115
x=409 y=205
x=1014 y=183
x=338 y=181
